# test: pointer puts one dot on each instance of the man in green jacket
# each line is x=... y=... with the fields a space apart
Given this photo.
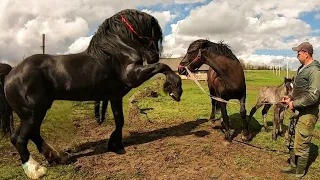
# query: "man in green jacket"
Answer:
x=305 y=99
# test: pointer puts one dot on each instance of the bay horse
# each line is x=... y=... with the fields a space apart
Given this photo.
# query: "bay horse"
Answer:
x=225 y=77
x=108 y=69
x=271 y=95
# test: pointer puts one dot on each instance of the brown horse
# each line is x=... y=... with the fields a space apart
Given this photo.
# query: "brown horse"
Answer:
x=273 y=95
x=225 y=77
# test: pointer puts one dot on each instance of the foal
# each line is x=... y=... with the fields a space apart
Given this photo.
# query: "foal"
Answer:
x=268 y=96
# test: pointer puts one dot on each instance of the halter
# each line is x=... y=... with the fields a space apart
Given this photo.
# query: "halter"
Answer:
x=151 y=40
x=197 y=58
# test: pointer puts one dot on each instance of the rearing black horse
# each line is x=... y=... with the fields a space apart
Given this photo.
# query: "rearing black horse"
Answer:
x=225 y=77
x=107 y=70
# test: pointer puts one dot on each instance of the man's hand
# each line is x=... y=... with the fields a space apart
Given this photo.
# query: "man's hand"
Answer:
x=287 y=100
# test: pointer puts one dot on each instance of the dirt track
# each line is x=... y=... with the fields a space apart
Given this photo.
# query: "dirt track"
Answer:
x=189 y=150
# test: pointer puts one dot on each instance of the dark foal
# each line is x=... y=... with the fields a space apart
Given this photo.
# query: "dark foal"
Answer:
x=271 y=95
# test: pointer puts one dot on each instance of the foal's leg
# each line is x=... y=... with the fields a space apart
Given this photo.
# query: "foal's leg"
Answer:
x=264 y=115
x=282 y=112
x=245 y=123
x=115 y=141
x=254 y=109
x=225 y=119
x=275 y=122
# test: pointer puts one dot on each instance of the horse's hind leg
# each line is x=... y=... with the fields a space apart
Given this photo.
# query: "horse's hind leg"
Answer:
x=264 y=115
x=31 y=167
x=254 y=109
x=44 y=148
x=115 y=141
x=103 y=110
x=245 y=123
x=214 y=105
x=225 y=119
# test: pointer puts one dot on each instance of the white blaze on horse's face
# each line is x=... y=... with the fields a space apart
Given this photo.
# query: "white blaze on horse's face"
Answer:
x=291 y=84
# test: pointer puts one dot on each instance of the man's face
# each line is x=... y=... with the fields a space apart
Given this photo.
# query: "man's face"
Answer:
x=302 y=56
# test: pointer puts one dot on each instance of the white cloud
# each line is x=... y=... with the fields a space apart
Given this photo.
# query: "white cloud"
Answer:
x=317 y=16
x=163 y=17
x=79 y=45
x=245 y=25
x=63 y=22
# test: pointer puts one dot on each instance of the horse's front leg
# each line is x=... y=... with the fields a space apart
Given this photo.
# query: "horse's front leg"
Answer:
x=138 y=74
x=115 y=141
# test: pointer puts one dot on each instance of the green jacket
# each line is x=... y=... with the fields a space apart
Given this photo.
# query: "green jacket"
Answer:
x=306 y=91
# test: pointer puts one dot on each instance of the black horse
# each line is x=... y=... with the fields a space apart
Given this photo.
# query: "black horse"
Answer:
x=108 y=69
x=225 y=77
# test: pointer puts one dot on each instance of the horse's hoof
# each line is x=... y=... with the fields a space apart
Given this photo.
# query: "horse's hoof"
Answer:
x=226 y=143
x=115 y=149
x=282 y=134
x=121 y=151
x=33 y=169
x=245 y=138
x=228 y=137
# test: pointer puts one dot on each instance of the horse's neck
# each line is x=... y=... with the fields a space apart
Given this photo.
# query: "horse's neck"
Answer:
x=281 y=90
x=222 y=66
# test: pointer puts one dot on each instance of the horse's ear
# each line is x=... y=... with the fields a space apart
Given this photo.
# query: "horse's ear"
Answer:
x=293 y=78
x=285 y=79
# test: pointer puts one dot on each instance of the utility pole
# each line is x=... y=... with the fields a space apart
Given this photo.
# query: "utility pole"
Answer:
x=287 y=66
x=279 y=67
x=43 y=43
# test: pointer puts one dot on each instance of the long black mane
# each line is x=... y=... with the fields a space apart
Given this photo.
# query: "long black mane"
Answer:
x=113 y=29
x=220 y=48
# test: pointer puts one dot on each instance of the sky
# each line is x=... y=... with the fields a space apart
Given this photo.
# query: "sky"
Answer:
x=259 y=32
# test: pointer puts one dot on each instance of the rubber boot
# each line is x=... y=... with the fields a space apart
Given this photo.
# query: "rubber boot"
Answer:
x=301 y=167
x=291 y=169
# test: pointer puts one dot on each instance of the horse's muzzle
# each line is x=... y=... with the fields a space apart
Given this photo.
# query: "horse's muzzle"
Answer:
x=182 y=70
x=175 y=97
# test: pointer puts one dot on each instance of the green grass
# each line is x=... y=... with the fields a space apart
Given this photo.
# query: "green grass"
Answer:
x=58 y=126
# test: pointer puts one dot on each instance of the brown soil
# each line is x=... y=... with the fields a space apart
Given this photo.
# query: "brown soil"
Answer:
x=184 y=150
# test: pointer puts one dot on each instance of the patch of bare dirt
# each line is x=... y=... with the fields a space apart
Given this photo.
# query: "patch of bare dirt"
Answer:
x=186 y=150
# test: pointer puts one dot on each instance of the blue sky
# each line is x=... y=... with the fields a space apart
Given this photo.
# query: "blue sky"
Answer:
x=181 y=10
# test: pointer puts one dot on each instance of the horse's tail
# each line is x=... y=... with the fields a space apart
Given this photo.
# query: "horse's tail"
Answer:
x=6 y=117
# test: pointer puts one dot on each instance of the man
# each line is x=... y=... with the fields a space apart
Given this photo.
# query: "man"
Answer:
x=305 y=99
x=97 y=110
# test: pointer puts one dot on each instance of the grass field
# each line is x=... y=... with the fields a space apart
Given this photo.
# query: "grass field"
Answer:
x=59 y=130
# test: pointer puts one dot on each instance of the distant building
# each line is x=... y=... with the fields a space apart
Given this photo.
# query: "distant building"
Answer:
x=173 y=63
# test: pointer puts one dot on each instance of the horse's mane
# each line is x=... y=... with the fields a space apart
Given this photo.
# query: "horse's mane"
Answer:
x=113 y=30
x=4 y=70
x=220 y=48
